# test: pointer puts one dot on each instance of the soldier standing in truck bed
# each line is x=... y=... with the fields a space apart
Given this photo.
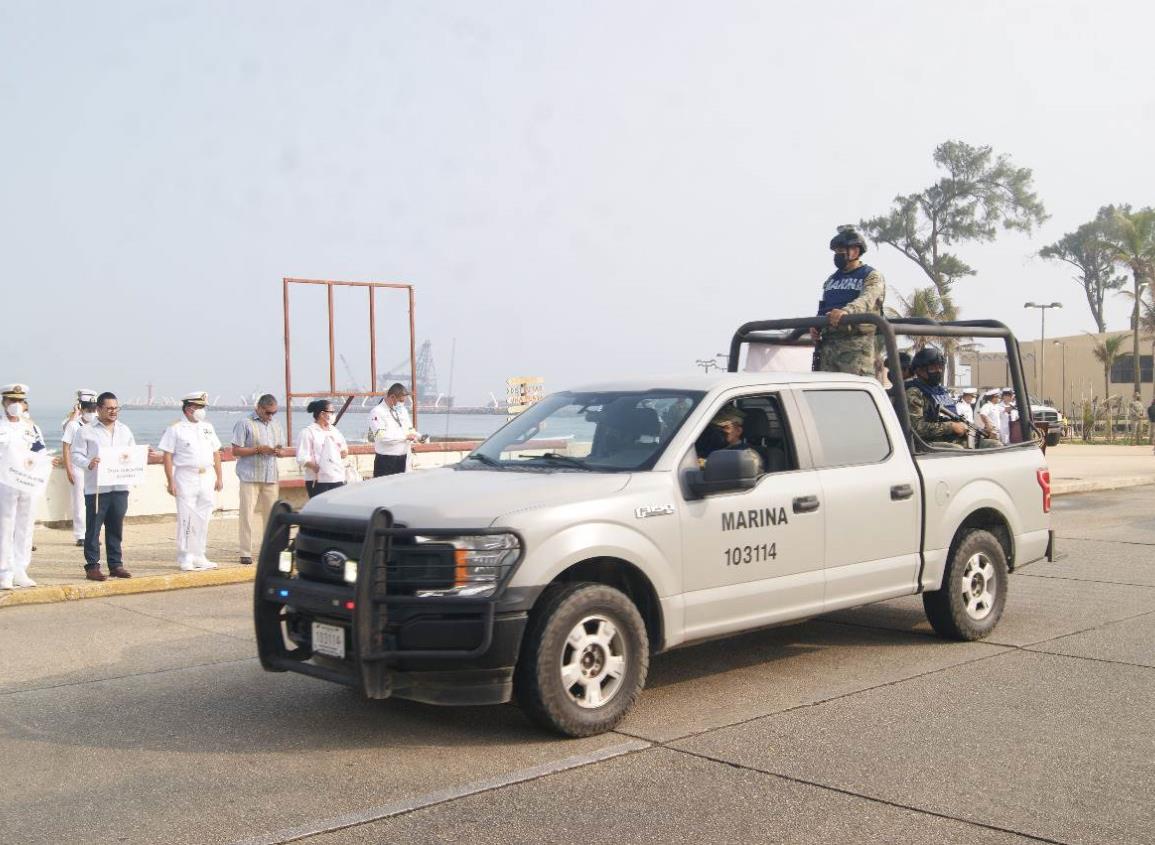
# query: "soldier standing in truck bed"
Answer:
x=854 y=288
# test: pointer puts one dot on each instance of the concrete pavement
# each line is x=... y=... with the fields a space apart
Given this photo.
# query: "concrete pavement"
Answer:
x=142 y=719
x=150 y=546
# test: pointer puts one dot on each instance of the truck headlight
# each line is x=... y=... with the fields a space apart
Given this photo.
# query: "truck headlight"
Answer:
x=479 y=563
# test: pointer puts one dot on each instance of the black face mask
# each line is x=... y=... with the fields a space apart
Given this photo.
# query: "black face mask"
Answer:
x=840 y=261
x=934 y=379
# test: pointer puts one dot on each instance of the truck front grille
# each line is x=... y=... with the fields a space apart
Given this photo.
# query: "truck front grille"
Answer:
x=411 y=566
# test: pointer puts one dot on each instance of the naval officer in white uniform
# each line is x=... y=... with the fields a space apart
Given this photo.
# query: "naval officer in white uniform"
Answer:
x=84 y=414
x=17 y=507
x=192 y=464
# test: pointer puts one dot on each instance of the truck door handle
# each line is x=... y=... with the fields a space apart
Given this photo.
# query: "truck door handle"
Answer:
x=805 y=504
x=901 y=491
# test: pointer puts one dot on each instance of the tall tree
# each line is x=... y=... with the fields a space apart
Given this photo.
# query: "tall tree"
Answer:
x=979 y=192
x=1131 y=235
x=1087 y=250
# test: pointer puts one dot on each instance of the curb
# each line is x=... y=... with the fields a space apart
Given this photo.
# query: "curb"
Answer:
x=1065 y=488
x=125 y=587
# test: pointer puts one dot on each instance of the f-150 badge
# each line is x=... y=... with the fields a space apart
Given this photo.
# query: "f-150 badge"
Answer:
x=653 y=510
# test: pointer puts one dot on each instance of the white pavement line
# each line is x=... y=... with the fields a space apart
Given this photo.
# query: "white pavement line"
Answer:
x=374 y=814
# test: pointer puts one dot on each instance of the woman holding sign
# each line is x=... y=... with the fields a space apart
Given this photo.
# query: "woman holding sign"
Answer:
x=321 y=450
x=23 y=462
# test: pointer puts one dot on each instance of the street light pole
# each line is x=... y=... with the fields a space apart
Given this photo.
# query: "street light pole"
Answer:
x=1042 y=339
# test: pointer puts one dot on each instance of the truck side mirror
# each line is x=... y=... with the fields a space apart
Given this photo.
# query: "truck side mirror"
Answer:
x=727 y=471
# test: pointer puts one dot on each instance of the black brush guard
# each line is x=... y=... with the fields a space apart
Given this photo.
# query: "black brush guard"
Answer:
x=372 y=650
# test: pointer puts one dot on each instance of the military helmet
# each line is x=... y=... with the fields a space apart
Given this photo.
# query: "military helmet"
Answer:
x=848 y=236
x=925 y=357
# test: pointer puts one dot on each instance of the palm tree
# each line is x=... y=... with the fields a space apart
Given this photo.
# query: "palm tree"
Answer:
x=1107 y=352
x=923 y=303
x=1132 y=239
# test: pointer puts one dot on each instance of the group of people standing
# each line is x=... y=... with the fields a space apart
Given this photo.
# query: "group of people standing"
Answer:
x=191 y=454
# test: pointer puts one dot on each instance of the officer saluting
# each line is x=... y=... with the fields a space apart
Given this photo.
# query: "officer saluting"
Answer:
x=191 y=451
x=854 y=288
x=17 y=509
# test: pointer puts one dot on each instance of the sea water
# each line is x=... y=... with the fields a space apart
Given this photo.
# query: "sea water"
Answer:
x=148 y=424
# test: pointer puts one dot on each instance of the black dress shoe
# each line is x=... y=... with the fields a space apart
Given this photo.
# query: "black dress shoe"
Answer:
x=247 y=561
x=80 y=542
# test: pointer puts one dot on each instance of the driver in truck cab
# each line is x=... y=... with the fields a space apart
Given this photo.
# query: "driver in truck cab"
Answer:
x=726 y=431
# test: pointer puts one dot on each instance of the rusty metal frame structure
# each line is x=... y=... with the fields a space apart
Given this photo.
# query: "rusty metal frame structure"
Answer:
x=371 y=288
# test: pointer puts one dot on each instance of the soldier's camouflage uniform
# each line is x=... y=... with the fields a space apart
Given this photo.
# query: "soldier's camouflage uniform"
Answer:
x=931 y=432
x=854 y=349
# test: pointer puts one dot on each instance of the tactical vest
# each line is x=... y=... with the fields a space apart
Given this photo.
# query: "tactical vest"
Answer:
x=843 y=288
x=937 y=397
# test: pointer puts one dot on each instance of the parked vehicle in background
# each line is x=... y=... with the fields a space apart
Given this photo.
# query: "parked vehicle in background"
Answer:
x=1050 y=417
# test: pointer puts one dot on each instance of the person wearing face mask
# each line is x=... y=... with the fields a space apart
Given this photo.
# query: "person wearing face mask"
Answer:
x=927 y=398
x=391 y=433
x=854 y=288
x=191 y=452
x=321 y=450
x=965 y=408
x=84 y=414
x=17 y=507
x=991 y=414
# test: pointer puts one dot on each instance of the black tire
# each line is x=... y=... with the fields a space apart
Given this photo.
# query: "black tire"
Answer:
x=546 y=652
x=974 y=589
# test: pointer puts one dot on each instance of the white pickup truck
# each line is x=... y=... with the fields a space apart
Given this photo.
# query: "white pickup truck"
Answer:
x=603 y=526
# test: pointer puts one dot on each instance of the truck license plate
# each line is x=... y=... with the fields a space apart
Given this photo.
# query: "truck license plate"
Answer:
x=329 y=640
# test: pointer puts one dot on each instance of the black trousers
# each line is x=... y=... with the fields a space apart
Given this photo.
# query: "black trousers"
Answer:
x=105 y=510
x=316 y=488
x=388 y=464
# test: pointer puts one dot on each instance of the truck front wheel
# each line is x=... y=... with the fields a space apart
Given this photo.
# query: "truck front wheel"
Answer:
x=583 y=659
x=974 y=589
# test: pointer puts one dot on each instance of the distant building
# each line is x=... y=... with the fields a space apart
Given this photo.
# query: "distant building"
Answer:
x=1071 y=372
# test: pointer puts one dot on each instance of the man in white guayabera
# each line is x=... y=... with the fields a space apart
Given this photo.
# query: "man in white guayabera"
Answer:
x=104 y=507
x=192 y=464
x=391 y=432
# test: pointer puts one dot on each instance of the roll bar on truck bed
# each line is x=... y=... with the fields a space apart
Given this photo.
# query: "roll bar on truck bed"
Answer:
x=794 y=331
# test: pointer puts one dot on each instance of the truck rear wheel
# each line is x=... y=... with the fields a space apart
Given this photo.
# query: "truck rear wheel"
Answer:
x=584 y=659
x=974 y=589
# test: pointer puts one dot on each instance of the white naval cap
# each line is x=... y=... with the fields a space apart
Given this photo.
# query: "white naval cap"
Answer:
x=86 y=396
x=197 y=397
x=970 y=391
x=16 y=390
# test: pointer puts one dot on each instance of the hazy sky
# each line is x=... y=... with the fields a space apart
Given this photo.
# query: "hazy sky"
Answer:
x=576 y=189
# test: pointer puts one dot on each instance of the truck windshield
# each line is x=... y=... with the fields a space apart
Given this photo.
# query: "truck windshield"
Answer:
x=611 y=431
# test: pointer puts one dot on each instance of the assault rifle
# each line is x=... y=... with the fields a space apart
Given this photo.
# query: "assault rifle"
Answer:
x=954 y=416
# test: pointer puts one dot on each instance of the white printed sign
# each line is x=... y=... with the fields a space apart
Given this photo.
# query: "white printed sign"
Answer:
x=25 y=471
x=121 y=466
